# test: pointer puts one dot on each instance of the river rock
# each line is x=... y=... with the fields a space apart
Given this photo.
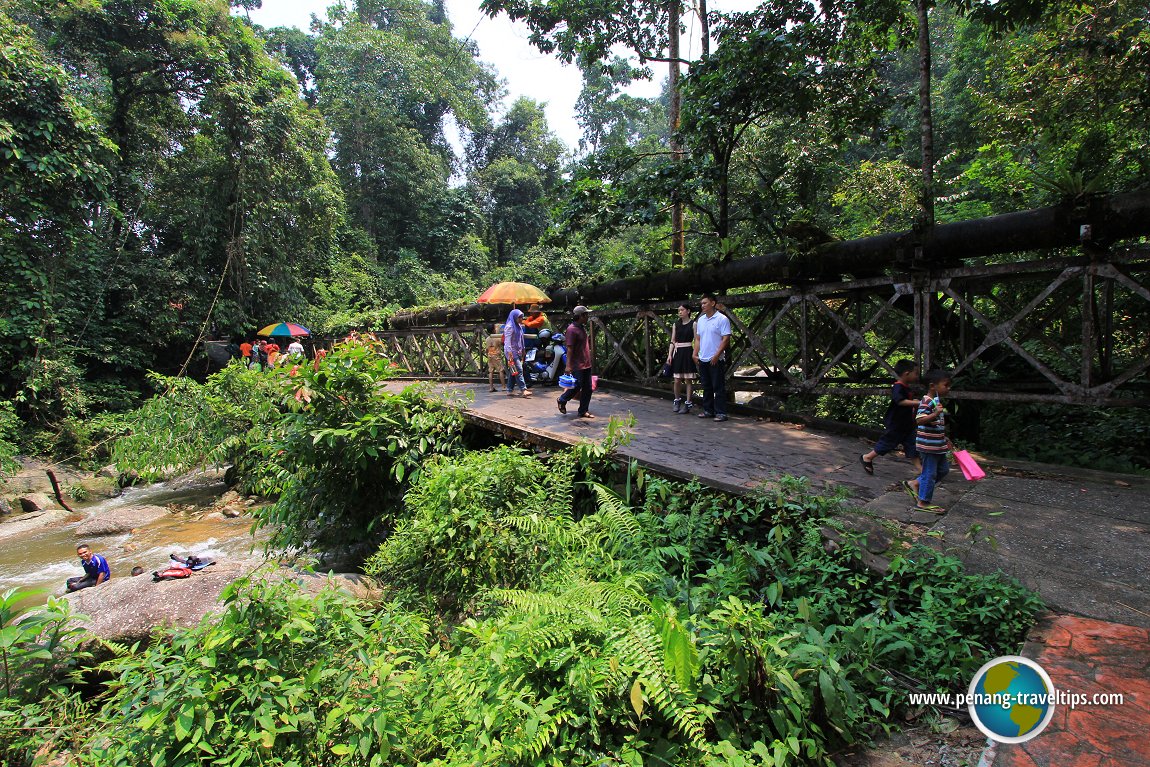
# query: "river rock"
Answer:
x=5 y=507
x=109 y=472
x=100 y=487
x=117 y=521
x=37 y=502
x=23 y=523
x=127 y=609
x=359 y=586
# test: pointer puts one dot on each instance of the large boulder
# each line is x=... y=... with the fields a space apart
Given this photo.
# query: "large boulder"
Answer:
x=118 y=521
x=98 y=487
x=22 y=523
x=127 y=609
x=5 y=507
x=37 y=502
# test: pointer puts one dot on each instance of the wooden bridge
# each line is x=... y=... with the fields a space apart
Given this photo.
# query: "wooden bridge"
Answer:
x=1067 y=330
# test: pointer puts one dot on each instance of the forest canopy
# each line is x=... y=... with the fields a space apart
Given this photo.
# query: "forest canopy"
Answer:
x=172 y=172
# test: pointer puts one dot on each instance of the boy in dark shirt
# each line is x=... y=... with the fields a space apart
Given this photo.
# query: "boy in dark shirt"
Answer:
x=899 y=419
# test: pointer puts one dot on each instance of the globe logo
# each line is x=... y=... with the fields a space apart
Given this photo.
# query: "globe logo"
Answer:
x=1011 y=699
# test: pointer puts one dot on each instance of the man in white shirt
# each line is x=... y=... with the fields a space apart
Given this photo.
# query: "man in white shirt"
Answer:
x=712 y=337
x=295 y=348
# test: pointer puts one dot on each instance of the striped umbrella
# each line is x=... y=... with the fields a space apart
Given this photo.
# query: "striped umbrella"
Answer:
x=284 y=329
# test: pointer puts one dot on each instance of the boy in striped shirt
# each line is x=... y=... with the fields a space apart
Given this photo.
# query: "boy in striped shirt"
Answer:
x=931 y=441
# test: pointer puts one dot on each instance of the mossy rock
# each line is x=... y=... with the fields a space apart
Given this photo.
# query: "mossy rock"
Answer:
x=97 y=487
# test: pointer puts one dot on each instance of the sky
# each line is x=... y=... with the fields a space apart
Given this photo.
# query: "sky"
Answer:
x=503 y=44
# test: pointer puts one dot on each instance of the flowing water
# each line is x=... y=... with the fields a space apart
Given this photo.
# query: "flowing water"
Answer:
x=44 y=558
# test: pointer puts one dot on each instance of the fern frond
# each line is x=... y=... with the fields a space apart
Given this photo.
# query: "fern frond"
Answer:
x=532 y=601
x=556 y=533
x=616 y=519
x=642 y=649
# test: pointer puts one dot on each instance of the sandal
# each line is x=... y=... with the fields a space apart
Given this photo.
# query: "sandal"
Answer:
x=930 y=508
x=586 y=415
x=868 y=466
x=527 y=393
x=909 y=488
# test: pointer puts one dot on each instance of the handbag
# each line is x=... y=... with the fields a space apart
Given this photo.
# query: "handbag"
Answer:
x=970 y=468
x=665 y=372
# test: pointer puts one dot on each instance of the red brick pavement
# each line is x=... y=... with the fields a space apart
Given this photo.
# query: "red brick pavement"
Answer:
x=1083 y=655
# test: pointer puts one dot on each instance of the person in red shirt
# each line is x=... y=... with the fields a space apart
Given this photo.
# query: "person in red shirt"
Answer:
x=246 y=352
x=578 y=363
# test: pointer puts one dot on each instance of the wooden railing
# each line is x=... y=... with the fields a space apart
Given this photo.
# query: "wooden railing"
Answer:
x=1073 y=330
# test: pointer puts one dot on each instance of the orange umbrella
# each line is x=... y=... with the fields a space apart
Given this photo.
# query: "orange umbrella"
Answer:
x=513 y=293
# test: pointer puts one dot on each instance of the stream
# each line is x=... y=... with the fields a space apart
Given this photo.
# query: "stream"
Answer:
x=44 y=558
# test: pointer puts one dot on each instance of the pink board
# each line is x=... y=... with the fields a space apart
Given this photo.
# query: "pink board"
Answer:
x=970 y=468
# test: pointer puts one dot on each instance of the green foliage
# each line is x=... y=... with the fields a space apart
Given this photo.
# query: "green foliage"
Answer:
x=38 y=652
x=345 y=451
x=1111 y=439
x=474 y=523
x=878 y=197
x=192 y=425
x=280 y=678
x=9 y=437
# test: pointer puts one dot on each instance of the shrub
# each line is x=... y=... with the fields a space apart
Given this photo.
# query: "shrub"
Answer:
x=476 y=522
x=345 y=451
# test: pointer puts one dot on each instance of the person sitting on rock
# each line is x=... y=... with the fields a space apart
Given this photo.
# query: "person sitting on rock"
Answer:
x=96 y=569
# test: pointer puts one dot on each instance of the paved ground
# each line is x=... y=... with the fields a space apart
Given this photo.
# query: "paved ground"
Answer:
x=1088 y=656
x=1080 y=539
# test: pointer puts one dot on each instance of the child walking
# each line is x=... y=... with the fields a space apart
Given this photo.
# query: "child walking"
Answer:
x=495 y=363
x=931 y=442
x=899 y=419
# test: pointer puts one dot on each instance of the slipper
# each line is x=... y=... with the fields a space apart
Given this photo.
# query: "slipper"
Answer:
x=930 y=508
x=586 y=415
x=868 y=466
x=527 y=393
x=909 y=488
x=562 y=406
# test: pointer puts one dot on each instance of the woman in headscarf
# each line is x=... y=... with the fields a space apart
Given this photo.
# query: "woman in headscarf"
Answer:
x=514 y=349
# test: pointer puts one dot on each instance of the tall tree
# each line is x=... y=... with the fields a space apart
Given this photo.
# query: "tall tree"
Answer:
x=388 y=77
x=518 y=165
x=53 y=181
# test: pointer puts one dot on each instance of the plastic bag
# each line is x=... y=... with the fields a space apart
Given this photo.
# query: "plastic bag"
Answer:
x=970 y=468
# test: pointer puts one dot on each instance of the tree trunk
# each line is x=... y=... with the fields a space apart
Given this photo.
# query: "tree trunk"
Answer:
x=678 y=239
x=705 y=29
x=926 y=124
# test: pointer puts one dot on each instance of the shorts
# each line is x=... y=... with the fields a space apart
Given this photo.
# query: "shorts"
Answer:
x=894 y=439
x=496 y=364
